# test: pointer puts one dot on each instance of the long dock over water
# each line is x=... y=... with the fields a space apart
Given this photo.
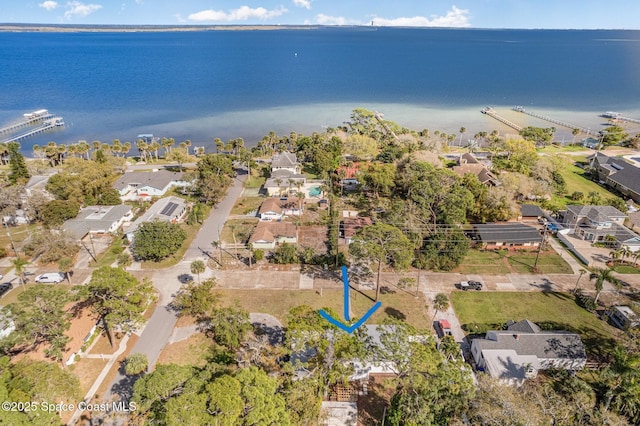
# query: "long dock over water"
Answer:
x=28 y=120
x=551 y=120
x=44 y=127
x=491 y=113
x=618 y=116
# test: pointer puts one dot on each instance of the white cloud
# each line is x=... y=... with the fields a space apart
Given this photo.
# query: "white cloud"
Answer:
x=241 y=14
x=48 y=5
x=303 y=3
x=76 y=8
x=456 y=17
x=323 y=19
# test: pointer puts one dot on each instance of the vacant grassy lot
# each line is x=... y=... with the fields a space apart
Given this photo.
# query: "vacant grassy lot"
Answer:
x=278 y=303
x=246 y=205
x=483 y=262
x=493 y=262
x=481 y=311
x=241 y=228
x=549 y=262
x=193 y=350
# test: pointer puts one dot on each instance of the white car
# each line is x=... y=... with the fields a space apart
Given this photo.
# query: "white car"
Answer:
x=50 y=277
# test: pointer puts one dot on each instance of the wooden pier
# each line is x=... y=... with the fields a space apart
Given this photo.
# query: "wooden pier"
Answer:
x=620 y=117
x=28 y=120
x=51 y=124
x=552 y=120
x=491 y=113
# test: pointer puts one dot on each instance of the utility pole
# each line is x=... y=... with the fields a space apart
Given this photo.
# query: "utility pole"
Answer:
x=544 y=239
x=13 y=247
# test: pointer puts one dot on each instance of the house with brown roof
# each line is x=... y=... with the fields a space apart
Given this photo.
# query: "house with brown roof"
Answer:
x=467 y=163
x=267 y=235
x=350 y=225
x=277 y=208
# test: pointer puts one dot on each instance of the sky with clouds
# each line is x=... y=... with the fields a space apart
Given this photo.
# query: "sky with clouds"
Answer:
x=582 y=14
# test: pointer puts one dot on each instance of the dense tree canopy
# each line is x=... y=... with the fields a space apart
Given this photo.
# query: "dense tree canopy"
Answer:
x=157 y=240
x=215 y=172
x=56 y=212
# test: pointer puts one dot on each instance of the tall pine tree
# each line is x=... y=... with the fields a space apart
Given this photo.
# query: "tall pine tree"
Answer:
x=19 y=171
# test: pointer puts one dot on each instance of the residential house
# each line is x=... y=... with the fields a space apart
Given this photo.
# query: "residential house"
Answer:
x=350 y=225
x=510 y=236
x=278 y=208
x=145 y=185
x=530 y=213
x=98 y=220
x=267 y=235
x=600 y=224
x=617 y=174
x=517 y=353
x=284 y=182
x=285 y=161
x=623 y=317
x=349 y=175
x=169 y=209
x=467 y=163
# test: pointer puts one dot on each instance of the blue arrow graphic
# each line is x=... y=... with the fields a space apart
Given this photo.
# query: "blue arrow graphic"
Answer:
x=349 y=329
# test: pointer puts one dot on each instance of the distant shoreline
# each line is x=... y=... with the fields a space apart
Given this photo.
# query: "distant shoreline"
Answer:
x=57 y=28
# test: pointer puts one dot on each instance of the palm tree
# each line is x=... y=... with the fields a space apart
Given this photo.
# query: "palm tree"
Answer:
x=600 y=275
x=636 y=256
x=614 y=255
x=187 y=144
x=624 y=253
x=219 y=144
x=20 y=264
x=198 y=267
x=462 y=131
x=125 y=148
x=440 y=303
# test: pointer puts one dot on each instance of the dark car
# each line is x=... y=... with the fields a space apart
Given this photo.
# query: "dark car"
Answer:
x=470 y=285
x=4 y=288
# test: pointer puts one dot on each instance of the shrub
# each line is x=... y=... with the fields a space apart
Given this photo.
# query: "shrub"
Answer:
x=258 y=255
x=585 y=301
x=3 y=252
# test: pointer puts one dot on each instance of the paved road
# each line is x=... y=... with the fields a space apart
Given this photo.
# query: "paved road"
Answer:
x=160 y=326
x=210 y=230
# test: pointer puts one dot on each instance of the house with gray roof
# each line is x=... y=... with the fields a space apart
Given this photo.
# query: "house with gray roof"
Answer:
x=617 y=174
x=146 y=185
x=169 y=209
x=285 y=161
x=511 y=236
x=597 y=223
x=284 y=181
x=530 y=213
x=98 y=220
x=517 y=353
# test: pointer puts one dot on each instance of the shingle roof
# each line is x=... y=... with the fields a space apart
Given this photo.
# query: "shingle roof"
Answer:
x=284 y=159
x=268 y=231
x=516 y=233
x=158 y=179
x=95 y=219
x=530 y=210
x=350 y=225
x=596 y=213
x=543 y=344
x=622 y=172
x=273 y=204
x=157 y=212
x=524 y=326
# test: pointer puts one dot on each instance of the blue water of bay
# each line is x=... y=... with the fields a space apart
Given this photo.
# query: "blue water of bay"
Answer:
x=228 y=84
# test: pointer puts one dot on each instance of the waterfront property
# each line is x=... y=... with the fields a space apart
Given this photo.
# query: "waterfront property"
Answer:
x=168 y=209
x=145 y=185
x=617 y=174
x=517 y=353
x=467 y=163
x=98 y=220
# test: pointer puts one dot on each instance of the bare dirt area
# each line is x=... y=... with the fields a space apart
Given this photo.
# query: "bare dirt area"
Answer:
x=87 y=370
x=194 y=350
x=371 y=407
x=314 y=236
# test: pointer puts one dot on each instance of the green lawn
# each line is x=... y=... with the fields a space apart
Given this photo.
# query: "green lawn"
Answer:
x=399 y=305
x=555 y=149
x=576 y=180
x=626 y=269
x=549 y=262
x=479 y=311
x=483 y=262
x=254 y=182
x=246 y=205
x=242 y=228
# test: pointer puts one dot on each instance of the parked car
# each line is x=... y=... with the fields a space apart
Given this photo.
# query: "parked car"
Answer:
x=4 y=288
x=443 y=328
x=470 y=285
x=50 y=277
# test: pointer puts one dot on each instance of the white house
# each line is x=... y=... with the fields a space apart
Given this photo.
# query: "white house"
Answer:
x=267 y=235
x=284 y=181
x=168 y=209
x=98 y=220
x=145 y=185
x=277 y=208
x=515 y=354
x=285 y=161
